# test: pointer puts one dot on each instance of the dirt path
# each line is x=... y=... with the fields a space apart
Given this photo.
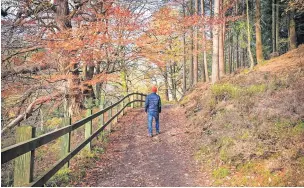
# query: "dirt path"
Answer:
x=134 y=159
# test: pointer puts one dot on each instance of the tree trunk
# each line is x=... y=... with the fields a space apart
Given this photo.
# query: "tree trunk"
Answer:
x=248 y=38
x=195 y=55
x=184 y=54
x=229 y=52
x=215 y=47
x=166 y=84
x=259 y=45
x=237 y=50
x=192 y=51
x=206 y=78
x=292 y=32
x=62 y=12
x=221 y=50
x=277 y=23
x=173 y=81
x=273 y=27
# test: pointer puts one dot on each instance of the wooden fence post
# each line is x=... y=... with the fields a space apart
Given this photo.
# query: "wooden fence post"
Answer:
x=132 y=99
x=66 y=141
x=101 y=106
x=117 y=109
x=122 y=107
x=141 y=103
x=88 y=128
x=24 y=164
x=109 y=117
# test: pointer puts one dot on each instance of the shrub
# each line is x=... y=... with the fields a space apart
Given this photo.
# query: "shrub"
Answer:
x=220 y=173
x=225 y=91
x=61 y=177
x=255 y=89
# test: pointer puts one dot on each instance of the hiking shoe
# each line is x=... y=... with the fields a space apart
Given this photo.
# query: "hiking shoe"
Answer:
x=157 y=133
x=150 y=135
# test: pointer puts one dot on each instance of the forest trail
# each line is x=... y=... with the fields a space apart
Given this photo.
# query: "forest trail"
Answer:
x=134 y=159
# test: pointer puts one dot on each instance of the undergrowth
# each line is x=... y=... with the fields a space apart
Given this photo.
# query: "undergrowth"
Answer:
x=252 y=129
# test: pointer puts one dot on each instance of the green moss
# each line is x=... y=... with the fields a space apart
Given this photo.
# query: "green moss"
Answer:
x=218 y=182
x=225 y=91
x=227 y=141
x=212 y=103
x=224 y=155
x=255 y=89
x=298 y=129
x=202 y=153
x=245 y=71
x=228 y=91
x=245 y=135
x=220 y=173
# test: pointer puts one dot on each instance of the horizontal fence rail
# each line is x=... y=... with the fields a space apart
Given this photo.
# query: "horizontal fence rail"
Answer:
x=16 y=150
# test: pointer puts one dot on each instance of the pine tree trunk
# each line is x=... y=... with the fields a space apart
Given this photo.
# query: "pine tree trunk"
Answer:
x=237 y=50
x=292 y=32
x=277 y=26
x=192 y=50
x=195 y=55
x=204 y=46
x=248 y=38
x=215 y=47
x=221 y=49
x=259 y=45
x=184 y=54
x=273 y=27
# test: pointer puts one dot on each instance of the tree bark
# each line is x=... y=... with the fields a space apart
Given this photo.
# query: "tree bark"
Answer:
x=204 y=45
x=62 y=12
x=192 y=51
x=258 y=32
x=273 y=27
x=166 y=83
x=184 y=54
x=248 y=38
x=195 y=55
x=277 y=26
x=215 y=47
x=292 y=32
x=237 y=51
x=221 y=49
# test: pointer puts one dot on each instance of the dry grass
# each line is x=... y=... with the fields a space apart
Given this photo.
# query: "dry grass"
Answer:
x=252 y=124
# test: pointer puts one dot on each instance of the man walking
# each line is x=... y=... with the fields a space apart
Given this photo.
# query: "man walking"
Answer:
x=153 y=108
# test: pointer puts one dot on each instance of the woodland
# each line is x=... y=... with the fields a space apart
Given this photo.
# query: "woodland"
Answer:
x=61 y=58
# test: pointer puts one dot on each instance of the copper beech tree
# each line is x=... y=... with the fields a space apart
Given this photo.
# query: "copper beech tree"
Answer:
x=68 y=62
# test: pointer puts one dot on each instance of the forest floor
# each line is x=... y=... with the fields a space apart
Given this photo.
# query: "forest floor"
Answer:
x=134 y=159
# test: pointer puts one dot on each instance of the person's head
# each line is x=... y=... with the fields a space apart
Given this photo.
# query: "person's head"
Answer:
x=154 y=89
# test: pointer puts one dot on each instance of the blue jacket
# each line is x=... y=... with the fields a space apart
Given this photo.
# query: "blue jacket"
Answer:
x=153 y=103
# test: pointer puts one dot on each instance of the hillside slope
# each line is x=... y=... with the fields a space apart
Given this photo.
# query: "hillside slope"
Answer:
x=249 y=126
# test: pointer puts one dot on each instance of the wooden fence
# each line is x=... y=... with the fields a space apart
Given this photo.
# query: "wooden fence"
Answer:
x=24 y=152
